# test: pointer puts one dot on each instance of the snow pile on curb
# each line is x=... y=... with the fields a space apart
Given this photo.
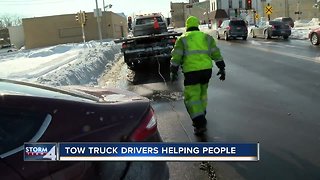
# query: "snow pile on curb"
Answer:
x=88 y=67
x=302 y=28
x=65 y=64
x=299 y=33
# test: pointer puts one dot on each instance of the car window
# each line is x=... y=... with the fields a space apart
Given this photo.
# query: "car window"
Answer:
x=17 y=127
x=286 y=20
x=237 y=23
x=262 y=23
x=225 y=24
x=275 y=23
x=147 y=20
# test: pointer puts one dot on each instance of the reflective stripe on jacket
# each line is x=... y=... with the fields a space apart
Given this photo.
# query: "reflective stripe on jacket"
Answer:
x=195 y=51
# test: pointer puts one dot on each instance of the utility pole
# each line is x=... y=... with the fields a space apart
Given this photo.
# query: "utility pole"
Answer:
x=286 y=6
x=207 y=12
x=298 y=10
x=184 y=15
x=99 y=21
x=104 y=7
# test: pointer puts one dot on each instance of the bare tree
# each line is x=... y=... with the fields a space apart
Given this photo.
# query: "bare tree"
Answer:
x=10 y=20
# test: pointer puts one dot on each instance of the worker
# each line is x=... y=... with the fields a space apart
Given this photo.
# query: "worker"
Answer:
x=194 y=51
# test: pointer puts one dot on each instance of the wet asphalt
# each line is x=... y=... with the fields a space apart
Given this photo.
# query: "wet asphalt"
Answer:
x=271 y=95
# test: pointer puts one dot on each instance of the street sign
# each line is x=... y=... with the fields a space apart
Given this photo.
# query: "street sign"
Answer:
x=97 y=12
x=257 y=16
x=268 y=10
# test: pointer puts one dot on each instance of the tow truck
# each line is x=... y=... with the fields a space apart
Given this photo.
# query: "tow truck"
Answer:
x=151 y=43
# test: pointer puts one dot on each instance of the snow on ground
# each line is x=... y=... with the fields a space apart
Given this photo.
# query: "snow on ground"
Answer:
x=65 y=64
x=302 y=28
x=81 y=64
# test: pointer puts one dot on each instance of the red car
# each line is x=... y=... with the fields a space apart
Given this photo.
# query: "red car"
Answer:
x=34 y=113
x=314 y=36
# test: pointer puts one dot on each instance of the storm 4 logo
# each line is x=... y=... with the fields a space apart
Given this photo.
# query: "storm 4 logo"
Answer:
x=40 y=152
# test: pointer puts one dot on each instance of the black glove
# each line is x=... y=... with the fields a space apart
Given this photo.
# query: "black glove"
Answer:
x=222 y=74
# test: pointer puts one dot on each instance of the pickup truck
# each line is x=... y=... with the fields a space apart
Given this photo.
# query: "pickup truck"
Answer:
x=150 y=45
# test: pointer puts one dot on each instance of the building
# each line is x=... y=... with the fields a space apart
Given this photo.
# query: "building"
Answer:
x=233 y=7
x=207 y=10
x=245 y=9
x=296 y=9
x=181 y=11
x=60 y=29
x=16 y=36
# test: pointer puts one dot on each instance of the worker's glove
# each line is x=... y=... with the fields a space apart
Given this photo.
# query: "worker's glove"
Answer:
x=222 y=74
x=174 y=73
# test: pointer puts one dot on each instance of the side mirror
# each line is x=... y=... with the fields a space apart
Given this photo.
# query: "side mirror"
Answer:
x=256 y=26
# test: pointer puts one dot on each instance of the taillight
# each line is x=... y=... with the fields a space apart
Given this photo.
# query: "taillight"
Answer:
x=124 y=45
x=147 y=127
x=229 y=28
x=273 y=27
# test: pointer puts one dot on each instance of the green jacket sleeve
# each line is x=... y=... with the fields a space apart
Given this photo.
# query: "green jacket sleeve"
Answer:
x=177 y=53
x=215 y=51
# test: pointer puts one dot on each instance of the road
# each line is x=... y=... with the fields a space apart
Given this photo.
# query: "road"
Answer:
x=271 y=96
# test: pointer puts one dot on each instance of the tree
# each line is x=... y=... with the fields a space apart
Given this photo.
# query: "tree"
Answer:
x=10 y=20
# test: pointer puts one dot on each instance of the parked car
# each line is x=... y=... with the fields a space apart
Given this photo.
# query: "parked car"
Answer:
x=5 y=48
x=36 y=113
x=271 y=29
x=232 y=29
x=287 y=20
x=314 y=36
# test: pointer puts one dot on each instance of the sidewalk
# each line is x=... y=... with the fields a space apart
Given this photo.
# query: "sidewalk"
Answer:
x=174 y=125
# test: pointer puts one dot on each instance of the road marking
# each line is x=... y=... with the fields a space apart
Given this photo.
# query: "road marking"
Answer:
x=315 y=59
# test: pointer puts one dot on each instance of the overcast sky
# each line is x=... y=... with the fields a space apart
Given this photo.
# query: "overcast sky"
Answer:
x=35 y=8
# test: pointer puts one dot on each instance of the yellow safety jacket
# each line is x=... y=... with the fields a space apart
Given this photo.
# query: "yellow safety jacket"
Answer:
x=194 y=51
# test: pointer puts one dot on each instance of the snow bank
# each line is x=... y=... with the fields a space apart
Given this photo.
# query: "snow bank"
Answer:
x=91 y=63
x=302 y=28
x=65 y=64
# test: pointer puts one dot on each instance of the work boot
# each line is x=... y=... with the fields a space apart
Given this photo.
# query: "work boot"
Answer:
x=198 y=131
x=199 y=124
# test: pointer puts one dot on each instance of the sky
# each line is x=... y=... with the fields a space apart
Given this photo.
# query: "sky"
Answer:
x=37 y=8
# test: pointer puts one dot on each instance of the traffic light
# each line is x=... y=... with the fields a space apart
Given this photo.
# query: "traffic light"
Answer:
x=129 y=22
x=249 y=4
x=84 y=17
x=77 y=17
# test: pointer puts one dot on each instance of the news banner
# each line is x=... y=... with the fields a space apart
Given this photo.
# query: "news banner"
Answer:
x=140 y=152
